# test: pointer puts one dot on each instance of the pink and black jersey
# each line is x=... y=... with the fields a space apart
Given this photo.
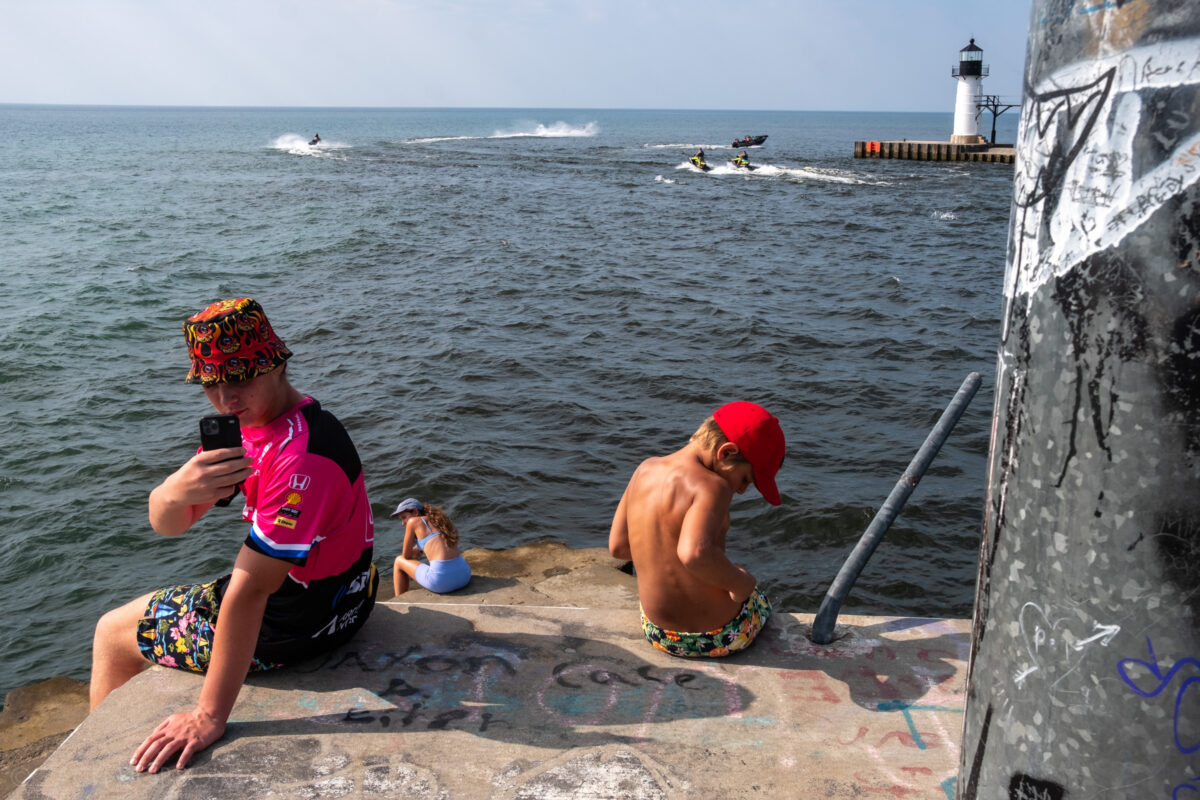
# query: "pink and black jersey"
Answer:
x=307 y=504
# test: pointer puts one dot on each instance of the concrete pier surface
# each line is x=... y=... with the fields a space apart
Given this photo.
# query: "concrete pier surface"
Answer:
x=541 y=685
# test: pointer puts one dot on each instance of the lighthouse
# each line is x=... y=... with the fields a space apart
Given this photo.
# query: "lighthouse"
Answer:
x=970 y=72
x=966 y=143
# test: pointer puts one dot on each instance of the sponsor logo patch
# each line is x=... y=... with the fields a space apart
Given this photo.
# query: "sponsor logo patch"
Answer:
x=299 y=482
x=294 y=499
x=285 y=522
x=294 y=513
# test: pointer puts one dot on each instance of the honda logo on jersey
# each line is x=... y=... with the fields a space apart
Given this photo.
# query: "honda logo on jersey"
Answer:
x=300 y=482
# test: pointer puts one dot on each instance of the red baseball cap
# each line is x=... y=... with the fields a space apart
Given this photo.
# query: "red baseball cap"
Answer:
x=759 y=438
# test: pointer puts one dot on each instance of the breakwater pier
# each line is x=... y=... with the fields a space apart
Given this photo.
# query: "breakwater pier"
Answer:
x=914 y=150
x=536 y=681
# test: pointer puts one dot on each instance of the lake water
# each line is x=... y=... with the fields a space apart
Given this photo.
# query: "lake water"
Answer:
x=508 y=310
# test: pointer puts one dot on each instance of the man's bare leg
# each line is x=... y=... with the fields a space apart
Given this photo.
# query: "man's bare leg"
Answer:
x=115 y=654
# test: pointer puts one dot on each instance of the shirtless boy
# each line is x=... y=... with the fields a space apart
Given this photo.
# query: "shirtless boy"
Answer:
x=672 y=521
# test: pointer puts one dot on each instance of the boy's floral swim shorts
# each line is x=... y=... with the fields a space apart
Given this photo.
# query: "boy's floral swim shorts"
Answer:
x=738 y=634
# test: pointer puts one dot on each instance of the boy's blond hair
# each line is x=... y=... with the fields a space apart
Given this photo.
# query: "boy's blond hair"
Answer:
x=710 y=437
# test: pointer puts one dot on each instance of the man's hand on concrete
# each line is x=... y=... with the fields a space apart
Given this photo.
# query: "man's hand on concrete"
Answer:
x=185 y=734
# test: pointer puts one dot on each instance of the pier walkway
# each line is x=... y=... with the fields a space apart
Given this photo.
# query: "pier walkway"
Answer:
x=489 y=694
x=914 y=150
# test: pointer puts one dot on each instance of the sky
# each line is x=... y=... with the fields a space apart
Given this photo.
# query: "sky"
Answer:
x=798 y=55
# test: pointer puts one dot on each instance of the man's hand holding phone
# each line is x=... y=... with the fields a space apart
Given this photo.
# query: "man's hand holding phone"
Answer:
x=221 y=435
x=213 y=476
x=208 y=478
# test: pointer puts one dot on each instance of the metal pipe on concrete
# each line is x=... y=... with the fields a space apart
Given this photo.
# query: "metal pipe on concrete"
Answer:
x=827 y=614
x=1084 y=679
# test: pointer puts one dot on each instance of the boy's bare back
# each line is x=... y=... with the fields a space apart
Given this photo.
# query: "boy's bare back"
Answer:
x=672 y=522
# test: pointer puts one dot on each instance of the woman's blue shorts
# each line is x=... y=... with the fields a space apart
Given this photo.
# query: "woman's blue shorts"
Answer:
x=444 y=576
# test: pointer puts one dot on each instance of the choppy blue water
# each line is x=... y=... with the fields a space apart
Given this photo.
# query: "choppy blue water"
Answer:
x=508 y=310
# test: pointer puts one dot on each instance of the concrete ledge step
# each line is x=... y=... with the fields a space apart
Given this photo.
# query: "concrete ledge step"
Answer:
x=505 y=701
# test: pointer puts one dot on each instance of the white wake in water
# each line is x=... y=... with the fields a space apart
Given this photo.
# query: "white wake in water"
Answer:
x=297 y=145
x=429 y=139
x=556 y=131
x=772 y=171
x=693 y=147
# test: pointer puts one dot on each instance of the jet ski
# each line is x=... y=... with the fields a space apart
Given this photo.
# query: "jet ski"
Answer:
x=741 y=162
x=699 y=163
x=750 y=141
x=316 y=140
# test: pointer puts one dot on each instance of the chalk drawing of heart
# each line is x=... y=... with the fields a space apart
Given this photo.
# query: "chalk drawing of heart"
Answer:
x=1054 y=649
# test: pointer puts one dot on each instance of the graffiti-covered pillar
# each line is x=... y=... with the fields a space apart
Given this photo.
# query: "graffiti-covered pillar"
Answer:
x=1085 y=662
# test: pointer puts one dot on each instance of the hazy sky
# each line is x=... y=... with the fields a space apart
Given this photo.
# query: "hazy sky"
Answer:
x=859 y=55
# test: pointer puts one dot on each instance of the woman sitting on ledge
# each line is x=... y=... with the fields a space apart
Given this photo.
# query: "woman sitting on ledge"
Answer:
x=447 y=570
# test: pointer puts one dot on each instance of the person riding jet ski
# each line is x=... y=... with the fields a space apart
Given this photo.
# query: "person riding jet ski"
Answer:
x=742 y=160
x=698 y=159
x=316 y=139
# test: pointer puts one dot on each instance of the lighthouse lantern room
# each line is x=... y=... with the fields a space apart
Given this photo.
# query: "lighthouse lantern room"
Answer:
x=970 y=73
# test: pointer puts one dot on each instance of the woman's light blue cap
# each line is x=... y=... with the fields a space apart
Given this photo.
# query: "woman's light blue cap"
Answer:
x=408 y=504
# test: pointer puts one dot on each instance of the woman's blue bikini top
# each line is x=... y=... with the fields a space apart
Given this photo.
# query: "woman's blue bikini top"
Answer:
x=432 y=533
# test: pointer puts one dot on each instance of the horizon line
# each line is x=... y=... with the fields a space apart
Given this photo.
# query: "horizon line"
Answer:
x=198 y=107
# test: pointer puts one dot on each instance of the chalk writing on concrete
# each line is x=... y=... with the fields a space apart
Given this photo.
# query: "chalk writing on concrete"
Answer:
x=906 y=709
x=1054 y=649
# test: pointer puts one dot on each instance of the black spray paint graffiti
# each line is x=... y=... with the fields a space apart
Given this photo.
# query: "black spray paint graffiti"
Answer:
x=1103 y=287
x=1101 y=325
x=412 y=697
x=972 y=789
x=1064 y=120
x=1020 y=786
x=1023 y=787
x=1082 y=106
x=1187 y=741
x=435 y=689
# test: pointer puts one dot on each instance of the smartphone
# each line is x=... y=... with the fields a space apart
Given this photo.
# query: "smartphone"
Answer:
x=216 y=432
x=220 y=430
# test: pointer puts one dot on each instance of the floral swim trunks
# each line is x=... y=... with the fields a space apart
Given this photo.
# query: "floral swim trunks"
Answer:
x=179 y=626
x=738 y=634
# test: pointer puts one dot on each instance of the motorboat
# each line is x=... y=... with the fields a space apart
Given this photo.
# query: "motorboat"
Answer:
x=750 y=141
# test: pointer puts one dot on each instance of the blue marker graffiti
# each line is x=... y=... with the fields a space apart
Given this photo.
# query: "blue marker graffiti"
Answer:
x=1163 y=680
x=1192 y=785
